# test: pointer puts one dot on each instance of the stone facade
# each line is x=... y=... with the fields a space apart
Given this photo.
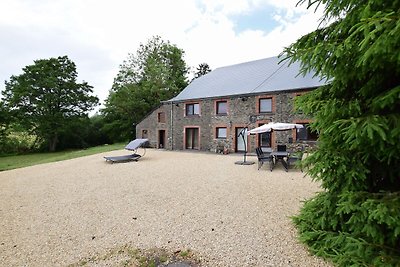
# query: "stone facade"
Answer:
x=171 y=128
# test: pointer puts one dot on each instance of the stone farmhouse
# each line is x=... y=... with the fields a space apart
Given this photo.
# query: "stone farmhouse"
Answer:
x=210 y=112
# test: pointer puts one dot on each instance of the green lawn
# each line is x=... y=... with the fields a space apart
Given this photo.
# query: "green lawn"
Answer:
x=19 y=161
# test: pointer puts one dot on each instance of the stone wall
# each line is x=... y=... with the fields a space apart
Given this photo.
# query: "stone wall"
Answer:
x=150 y=127
x=240 y=109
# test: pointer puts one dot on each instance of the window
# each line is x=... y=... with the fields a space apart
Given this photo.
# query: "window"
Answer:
x=221 y=132
x=305 y=134
x=161 y=117
x=265 y=105
x=144 y=134
x=192 y=109
x=222 y=107
x=264 y=139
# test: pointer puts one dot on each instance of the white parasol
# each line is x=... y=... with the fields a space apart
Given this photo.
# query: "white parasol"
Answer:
x=277 y=126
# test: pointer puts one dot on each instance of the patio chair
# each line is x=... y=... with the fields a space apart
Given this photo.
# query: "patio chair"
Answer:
x=281 y=148
x=132 y=146
x=295 y=158
x=264 y=157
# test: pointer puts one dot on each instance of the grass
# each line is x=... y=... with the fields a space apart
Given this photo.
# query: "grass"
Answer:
x=20 y=161
x=130 y=256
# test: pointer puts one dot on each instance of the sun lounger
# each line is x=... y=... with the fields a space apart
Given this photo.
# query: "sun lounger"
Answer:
x=132 y=146
x=133 y=157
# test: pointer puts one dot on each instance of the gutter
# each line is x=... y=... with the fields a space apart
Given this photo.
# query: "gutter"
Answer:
x=172 y=125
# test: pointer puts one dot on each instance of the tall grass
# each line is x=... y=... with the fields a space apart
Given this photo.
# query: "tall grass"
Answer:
x=19 y=161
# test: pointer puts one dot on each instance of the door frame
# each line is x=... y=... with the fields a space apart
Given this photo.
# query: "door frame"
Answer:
x=235 y=137
x=198 y=136
x=159 y=138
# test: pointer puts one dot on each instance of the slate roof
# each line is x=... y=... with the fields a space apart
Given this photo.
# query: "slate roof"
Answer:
x=254 y=77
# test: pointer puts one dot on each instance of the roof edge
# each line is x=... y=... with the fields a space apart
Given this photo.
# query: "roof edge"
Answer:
x=171 y=101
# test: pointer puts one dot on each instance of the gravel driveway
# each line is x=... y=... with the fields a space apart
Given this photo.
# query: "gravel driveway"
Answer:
x=62 y=213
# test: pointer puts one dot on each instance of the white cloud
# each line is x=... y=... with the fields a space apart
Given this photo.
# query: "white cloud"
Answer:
x=98 y=35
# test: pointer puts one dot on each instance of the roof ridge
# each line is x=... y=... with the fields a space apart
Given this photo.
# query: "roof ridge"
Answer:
x=245 y=63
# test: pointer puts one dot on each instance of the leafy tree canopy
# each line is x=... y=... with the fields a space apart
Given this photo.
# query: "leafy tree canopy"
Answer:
x=46 y=97
x=157 y=72
x=4 y=123
x=356 y=220
x=4 y=116
x=157 y=63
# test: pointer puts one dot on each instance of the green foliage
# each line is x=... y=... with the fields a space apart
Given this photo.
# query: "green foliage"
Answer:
x=156 y=63
x=18 y=142
x=83 y=132
x=4 y=124
x=122 y=108
x=355 y=221
x=156 y=73
x=13 y=137
x=46 y=98
x=79 y=132
x=201 y=70
x=95 y=133
x=355 y=232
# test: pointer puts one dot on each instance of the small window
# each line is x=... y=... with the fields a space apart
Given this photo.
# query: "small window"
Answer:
x=265 y=105
x=192 y=109
x=144 y=134
x=221 y=132
x=161 y=117
x=222 y=107
x=305 y=134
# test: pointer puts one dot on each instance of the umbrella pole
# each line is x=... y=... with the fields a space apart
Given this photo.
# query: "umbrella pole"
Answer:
x=244 y=162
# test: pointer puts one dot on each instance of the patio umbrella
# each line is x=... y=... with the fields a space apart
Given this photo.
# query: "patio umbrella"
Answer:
x=277 y=126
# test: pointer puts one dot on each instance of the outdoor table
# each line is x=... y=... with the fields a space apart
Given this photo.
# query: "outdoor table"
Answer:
x=280 y=156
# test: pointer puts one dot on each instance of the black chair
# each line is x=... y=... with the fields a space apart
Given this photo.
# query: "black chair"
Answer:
x=264 y=157
x=281 y=148
x=295 y=158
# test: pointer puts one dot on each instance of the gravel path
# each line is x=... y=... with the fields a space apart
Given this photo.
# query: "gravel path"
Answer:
x=59 y=213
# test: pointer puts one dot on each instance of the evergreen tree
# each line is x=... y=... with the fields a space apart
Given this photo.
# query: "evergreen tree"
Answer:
x=201 y=70
x=355 y=221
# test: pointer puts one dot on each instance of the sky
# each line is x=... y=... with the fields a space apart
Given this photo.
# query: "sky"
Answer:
x=98 y=35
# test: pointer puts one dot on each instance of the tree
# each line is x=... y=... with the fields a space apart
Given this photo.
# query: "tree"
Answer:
x=157 y=72
x=201 y=70
x=157 y=62
x=4 y=124
x=123 y=108
x=46 y=98
x=355 y=221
